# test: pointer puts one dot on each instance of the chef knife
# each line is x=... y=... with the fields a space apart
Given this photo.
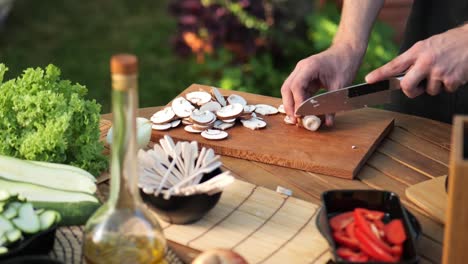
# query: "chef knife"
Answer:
x=350 y=98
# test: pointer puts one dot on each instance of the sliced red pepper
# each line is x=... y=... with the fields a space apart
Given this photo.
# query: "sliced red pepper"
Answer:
x=343 y=240
x=363 y=225
x=371 y=214
x=371 y=249
x=359 y=258
x=397 y=251
x=395 y=232
x=340 y=221
x=350 y=230
x=351 y=255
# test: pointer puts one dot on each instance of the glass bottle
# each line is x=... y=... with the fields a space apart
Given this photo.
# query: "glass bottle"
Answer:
x=123 y=230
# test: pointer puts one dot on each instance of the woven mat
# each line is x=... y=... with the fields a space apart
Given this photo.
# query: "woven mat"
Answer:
x=68 y=247
x=260 y=224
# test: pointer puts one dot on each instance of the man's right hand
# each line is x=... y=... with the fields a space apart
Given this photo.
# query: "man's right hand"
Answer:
x=331 y=69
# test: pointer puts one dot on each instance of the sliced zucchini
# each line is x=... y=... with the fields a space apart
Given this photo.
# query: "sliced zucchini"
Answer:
x=13 y=235
x=5 y=225
x=48 y=218
x=66 y=167
x=27 y=221
x=3 y=240
x=39 y=193
x=10 y=213
x=53 y=177
x=3 y=250
x=39 y=211
x=2 y=206
x=4 y=196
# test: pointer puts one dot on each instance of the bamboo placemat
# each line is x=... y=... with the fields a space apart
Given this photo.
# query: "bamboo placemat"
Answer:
x=262 y=225
x=68 y=247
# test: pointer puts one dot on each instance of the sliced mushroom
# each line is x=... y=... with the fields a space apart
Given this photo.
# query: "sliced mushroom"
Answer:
x=281 y=109
x=311 y=122
x=264 y=109
x=236 y=99
x=230 y=111
x=191 y=129
x=249 y=109
x=218 y=124
x=231 y=120
x=161 y=126
x=202 y=117
x=246 y=116
x=203 y=127
x=181 y=107
x=175 y=123
x=187 y=121
x=211 y=106
x=218 y=96
x=289 y=120
x=163 y=116
x=198 y=98
x=214 y=134
x=254 y=123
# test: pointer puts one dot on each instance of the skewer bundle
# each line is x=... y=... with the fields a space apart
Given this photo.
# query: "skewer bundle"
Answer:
x=177 y=169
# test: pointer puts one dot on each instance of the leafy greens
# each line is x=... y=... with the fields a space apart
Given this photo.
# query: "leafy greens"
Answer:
x=48 y=119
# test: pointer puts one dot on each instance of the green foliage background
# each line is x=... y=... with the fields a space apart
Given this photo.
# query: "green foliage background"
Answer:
x=80 y=36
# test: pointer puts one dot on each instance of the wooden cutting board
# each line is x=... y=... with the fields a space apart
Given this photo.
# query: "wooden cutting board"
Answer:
x=431 y=196
x=329 y=151
x=260 y=224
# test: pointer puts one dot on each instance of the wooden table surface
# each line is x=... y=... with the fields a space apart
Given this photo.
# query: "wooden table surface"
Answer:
x=416 y=150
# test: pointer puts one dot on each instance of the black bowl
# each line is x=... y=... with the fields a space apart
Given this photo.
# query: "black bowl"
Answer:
x=39 y=243
x=183 y=209
x=340 y=201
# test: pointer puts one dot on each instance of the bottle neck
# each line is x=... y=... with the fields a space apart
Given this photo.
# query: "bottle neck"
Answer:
x=123 y=163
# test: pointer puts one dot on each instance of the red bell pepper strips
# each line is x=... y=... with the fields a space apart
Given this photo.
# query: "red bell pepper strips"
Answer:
x=340 y=221
x=351 y=255
x=371 y=249
x=363 y=225
x=395 y=232
x=342 y=239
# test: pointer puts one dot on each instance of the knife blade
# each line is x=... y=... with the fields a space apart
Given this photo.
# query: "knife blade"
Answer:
x=350 y=98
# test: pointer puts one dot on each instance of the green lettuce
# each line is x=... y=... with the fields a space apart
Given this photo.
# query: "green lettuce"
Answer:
x=48 y=119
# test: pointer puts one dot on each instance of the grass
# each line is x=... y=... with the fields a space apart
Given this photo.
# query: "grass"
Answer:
x=80 y=37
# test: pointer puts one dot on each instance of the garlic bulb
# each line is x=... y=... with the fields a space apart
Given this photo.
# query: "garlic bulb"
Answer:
x=143 y=132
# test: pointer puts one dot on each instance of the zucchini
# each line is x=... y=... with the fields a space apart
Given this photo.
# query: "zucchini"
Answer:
x=10 y=213
x=39 y=193
x=4 y=196
x=65 y=167
x=71 y=214
x=47 y=219
x=3 y=250
x=5 y=225
x=26 y=171
x=13 y=235
x=3 y=240
x=27 y=220
x=74 y=207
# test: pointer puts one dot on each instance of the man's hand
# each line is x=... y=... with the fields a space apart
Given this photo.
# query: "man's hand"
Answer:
x=332 y=69
x=441 y=59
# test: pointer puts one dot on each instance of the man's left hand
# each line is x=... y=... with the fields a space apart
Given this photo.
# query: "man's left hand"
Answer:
x=441 y=60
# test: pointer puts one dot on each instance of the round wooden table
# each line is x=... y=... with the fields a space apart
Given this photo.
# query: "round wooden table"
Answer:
x=416 y=150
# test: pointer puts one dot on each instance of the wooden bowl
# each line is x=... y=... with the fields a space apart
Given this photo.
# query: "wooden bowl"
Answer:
x=183 y=209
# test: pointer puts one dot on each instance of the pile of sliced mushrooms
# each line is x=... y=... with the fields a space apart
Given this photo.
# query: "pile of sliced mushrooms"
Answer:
x=177 y=169
x=211 y=114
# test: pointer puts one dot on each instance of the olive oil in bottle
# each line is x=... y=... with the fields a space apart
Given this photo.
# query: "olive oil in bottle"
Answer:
x=123 y=230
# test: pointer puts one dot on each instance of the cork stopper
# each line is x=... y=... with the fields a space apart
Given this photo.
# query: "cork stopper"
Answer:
x=125 y=64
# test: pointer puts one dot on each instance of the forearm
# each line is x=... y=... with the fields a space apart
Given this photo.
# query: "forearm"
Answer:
x=357 y=19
